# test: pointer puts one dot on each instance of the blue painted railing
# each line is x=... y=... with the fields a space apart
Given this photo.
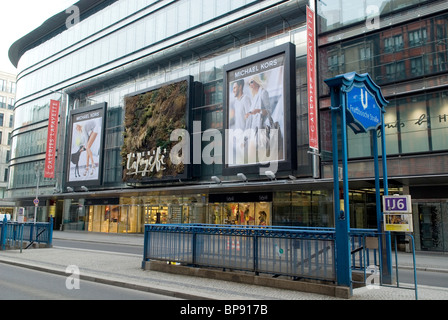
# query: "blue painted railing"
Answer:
x=301 y=252
x=14 y=234
x=297 y=252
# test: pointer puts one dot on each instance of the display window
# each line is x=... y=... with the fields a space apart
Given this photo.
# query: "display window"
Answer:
x=241 y=213
x=155 y=214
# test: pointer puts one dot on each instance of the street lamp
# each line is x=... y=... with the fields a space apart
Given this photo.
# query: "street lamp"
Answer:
x=38 y=167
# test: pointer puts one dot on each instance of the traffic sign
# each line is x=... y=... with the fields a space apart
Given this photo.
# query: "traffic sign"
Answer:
x=397 y=204
x=36 y=202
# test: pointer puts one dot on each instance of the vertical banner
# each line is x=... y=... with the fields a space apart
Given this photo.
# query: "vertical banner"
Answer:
x=311 y=73
x=52 y=137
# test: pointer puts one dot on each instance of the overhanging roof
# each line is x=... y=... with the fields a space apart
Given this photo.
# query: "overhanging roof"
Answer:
x=55 y=24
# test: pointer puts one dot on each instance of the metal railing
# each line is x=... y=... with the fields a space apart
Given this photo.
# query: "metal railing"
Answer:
x=14 y=234
x=296 y=252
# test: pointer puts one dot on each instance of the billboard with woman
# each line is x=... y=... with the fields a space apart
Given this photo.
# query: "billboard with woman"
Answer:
x=86 y=129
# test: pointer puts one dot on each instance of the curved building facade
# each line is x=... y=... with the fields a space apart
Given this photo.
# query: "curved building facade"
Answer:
x=149 y=98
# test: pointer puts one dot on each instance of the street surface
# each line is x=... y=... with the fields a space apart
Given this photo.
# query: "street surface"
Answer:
x=18 y=283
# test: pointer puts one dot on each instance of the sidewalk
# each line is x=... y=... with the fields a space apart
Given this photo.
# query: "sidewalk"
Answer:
x=125 y=270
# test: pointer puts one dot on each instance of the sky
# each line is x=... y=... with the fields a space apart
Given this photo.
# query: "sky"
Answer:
x=19 y=17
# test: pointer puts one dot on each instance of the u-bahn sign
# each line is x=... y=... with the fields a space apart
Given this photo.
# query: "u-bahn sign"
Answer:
x=364 y=113
x=360 y=105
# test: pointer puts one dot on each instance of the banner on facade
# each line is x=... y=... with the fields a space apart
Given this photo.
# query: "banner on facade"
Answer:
x=52 y=138
x=311 y=80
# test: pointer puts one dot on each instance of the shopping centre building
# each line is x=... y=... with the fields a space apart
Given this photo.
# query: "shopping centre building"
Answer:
x=201 y=111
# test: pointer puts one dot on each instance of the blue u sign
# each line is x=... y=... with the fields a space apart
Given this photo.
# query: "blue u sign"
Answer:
x=397 y=204
x=364 y=111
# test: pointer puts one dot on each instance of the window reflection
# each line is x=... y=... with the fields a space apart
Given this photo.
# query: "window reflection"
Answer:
x=333 y=14
x=409 y=51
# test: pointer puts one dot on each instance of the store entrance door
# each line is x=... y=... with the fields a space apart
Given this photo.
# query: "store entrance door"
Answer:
x=155 y=214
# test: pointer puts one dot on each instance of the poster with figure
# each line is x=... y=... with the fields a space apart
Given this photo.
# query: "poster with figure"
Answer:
x=85 y=153
x=258 y=108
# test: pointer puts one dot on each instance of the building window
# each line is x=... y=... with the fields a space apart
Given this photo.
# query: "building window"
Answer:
x=365 y=53
x=11 y=102
x=439 y=120
x=393 y=44
x=417 y=37
x=12 y=87
x=417 y=67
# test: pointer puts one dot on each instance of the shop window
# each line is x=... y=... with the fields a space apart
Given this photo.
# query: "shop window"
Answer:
x=241 y=213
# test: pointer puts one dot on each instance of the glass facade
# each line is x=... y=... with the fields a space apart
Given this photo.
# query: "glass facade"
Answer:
x=116 y=49
x=338 y=14
x=101 y=38
x=128 y=46
x=416 y=124
x=407 y=57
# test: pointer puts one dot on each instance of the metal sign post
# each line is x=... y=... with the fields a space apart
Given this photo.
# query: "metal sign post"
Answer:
x=358 y=101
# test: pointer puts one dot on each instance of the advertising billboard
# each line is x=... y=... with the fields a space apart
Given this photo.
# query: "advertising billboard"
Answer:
x=259 y=109
x=157 y=139
x=85 y=158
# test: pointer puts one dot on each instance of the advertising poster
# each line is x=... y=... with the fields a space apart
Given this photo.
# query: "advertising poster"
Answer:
x=152 y=117
x=398 y=222
x=86 y=145
x=258 y=109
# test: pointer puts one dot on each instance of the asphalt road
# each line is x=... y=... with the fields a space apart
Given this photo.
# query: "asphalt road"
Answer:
x=18 y=283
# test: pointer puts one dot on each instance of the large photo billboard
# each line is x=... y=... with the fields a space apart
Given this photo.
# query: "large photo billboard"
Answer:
x=86 y=138
x=259 y=106
x=153 y=117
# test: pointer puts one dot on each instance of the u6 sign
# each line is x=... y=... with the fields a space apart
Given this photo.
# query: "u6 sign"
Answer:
x=397 y=204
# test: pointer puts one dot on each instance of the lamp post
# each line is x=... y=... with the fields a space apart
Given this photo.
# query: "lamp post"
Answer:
x=38 y=167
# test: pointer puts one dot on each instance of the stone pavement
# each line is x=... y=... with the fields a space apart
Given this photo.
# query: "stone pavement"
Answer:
x=125 y=270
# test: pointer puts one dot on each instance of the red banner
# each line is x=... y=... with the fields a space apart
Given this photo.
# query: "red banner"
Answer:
x=311 y=73
x=52 y=137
